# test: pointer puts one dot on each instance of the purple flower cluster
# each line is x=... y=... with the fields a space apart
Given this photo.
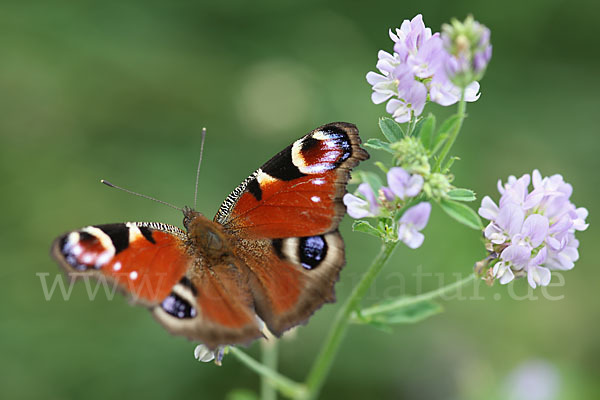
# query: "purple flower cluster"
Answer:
x=468 y=44
x=533 y=232
x=401 y=186
x=417 y=68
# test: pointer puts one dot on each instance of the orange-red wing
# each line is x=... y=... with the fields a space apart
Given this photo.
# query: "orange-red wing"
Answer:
x=299 y=191
x=143 y=259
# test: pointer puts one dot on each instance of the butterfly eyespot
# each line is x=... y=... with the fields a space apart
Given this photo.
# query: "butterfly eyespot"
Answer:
x=312 y=251
x=178 y=307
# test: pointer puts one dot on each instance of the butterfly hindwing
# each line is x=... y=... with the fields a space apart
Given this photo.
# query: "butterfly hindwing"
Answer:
x=155 y=266
x=223 y=311
x=292 y=277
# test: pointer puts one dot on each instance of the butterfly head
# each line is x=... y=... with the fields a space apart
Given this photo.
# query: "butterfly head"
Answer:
x=188 y=216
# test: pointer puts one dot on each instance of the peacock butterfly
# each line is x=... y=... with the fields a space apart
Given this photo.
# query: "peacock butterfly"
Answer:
x=272 y=252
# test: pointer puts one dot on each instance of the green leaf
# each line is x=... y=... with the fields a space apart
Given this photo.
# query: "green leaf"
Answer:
x=371 y=178
x=382 y=326
x=365 y=227
x=442 y=133
x=379 y=145
x=241 y=394
x=462 y=195
x=427 y=131
x=417 y=128
x=382 y=167
x=462 y=213
x=390 y=129
x=409 y=314
x=438 y=143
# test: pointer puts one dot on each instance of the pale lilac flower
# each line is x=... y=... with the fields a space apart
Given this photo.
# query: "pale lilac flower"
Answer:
x=416 y=69
x=533 y=231
x=403 y=184
x=412 y=222
x=411 y=35
x=387 y=194
x=362 y=208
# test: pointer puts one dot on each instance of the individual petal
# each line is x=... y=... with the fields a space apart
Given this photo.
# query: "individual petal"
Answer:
x=555 y=244
x=562 y=225
x=398 y=179
x=516 y=255
x=536 y=177
x=410 y=236
x=538 y=276
x=507 y=276
x=386 y=62
x=540 y=257
x=399 y=110
x=380 y=97
x=374 y=78
x=472 y=92
x=417 y=215
x=535 y=228
x=417 y=97
x=510 y=218
x=356 y=207
x=414 y=185
x=533 y=199
x=488 y=210
x=425 y=62
x=203 y=353
x=579 y=223
x=387 y=193
x=494 y=233
x=366 y=190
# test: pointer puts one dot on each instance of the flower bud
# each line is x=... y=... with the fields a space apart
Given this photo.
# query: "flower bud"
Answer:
x=469 y=48
x=412 y=156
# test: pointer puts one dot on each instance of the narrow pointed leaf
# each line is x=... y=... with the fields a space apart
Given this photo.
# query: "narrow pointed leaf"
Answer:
x=379 y=145
x=411 y=313
x=390 y=129
x=371 y=178
x=461 y=213
x=427 y=132
x=462 y=195
x=365 y=227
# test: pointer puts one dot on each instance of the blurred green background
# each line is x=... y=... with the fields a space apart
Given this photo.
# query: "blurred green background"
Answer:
x=120 y=90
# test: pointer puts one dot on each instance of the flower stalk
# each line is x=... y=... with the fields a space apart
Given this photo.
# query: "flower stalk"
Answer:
x=322 y=364
x=404 y=302
x=285 y=385
x=269 y=352
x=462 y=106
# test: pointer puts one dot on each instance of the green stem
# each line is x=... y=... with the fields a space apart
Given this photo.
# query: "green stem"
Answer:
x=285 y=385
x=269 y=359
x=462 y=106
x=409 y=301
x=322 y=364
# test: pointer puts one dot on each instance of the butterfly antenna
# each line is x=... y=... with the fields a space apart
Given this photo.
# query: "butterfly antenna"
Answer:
x=139 y=194
x=199 y=163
